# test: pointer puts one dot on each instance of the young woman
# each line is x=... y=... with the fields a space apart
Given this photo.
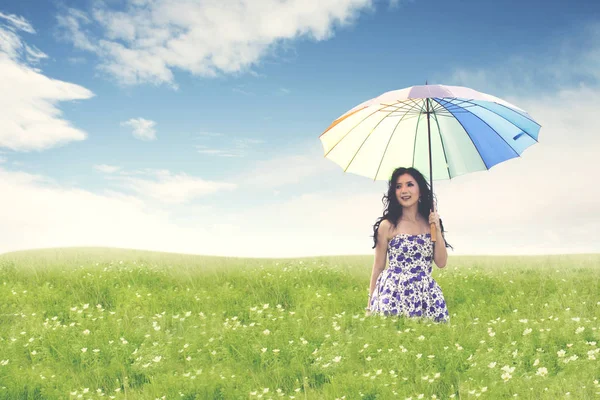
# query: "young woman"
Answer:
x=406 y=287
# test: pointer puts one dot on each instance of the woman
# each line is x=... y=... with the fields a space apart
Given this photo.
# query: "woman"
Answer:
x=406 y=287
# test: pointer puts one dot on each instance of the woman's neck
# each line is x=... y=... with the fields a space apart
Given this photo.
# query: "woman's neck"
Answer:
x=410 y=214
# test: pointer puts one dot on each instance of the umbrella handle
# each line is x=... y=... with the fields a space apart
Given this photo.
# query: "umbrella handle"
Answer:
x=433 y=230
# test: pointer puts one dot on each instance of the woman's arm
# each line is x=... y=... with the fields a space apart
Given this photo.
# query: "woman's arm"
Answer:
x=380 y=255
x=440 y=255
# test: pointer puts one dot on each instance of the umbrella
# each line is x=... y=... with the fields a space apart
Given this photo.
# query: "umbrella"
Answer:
x=443 y=131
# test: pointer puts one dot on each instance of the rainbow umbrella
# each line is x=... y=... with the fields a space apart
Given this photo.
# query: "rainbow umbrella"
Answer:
x=443 y=131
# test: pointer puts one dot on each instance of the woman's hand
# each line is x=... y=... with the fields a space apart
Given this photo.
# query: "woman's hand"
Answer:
x=434 y=218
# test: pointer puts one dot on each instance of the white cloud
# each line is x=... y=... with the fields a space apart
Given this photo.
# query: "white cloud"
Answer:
x=148 y=40
x=287 y=169
x=107 y=169
x=205 y=150
x=574 y=61
x=143 y=129
x=35 y=214
x=166 y=187
x=76 y=60
x=210 y=134
x=39 y=214
x=29 y=117
x=544 y=201
x=18 y=22
x=541 y=203
x=241 y=91
x=229 y=147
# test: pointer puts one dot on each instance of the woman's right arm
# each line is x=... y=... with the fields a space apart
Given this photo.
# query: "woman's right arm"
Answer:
x=380 y=255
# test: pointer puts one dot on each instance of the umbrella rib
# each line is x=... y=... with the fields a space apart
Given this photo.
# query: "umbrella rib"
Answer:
x=469 y=136
x=437 y=106
x=340 y=119
x=518 y=112
x=347 y=133
x=405 y=106
x=387 y=145
x=510 y=122
x=416 y=132
x=364 y=141
x=493 y=130
x=442 y=141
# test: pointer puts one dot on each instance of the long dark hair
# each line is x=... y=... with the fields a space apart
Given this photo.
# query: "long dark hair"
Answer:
x=392 y=208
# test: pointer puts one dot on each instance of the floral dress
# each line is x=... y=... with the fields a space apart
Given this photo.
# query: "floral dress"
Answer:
x=406 y=287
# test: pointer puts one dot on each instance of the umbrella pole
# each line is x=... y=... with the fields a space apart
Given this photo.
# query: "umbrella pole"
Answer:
x=432 y=226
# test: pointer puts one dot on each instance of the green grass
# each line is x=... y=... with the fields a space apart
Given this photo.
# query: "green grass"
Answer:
x=169 y=326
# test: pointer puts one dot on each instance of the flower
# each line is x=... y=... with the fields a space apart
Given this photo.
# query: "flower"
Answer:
x=508 y=369
x=542 y=371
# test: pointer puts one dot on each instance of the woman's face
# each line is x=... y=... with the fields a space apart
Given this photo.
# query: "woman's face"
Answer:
x=407 y=190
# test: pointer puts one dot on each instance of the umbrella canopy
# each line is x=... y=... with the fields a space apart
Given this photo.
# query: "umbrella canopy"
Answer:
x=443 y=131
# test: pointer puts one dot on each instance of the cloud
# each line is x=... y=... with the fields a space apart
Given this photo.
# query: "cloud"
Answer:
x=287 y=169
x=543 y=201
x=143 y=129
x=29 y=117
x=205 y=150
x=76 y=60
x=574 y=63
x=37 y=214
x=241 y=91
x=107 y=169
x=540 y=203
x=166 y=187
x=146 y=41
x=18 y=22
x=229 y=147
x=209 y=134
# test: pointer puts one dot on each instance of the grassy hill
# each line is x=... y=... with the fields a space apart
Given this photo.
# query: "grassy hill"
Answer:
x=116 y=323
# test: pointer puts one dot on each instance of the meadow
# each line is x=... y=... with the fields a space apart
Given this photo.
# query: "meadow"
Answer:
x=91 y=323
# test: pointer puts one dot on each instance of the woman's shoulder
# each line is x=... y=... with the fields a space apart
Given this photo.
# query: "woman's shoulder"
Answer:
x=385 y=228
x=385 y=224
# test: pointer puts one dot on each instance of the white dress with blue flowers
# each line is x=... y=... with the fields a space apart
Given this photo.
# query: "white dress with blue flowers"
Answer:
x=406 y=287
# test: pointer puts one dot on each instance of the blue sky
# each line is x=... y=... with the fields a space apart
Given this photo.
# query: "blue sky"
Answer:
x=235 y=107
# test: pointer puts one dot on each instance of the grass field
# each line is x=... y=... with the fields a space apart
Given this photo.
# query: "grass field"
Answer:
x=109 y=323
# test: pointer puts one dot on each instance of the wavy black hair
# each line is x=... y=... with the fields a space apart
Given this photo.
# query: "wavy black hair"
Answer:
x=392 y=208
